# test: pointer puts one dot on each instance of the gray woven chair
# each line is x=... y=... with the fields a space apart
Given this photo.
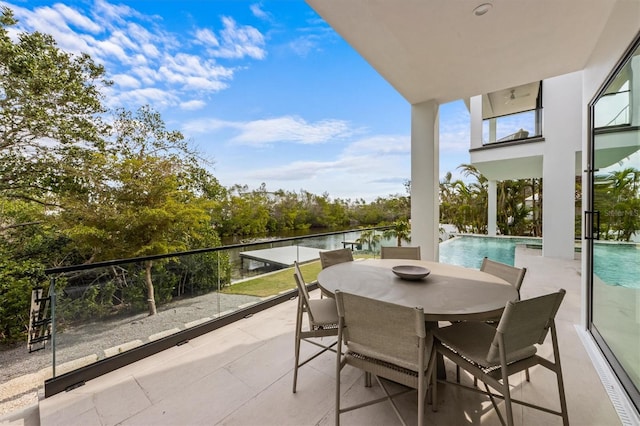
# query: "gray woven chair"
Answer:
x=322 y=322
x=510 y=274
x=333 y=257
x=412 y=253
x=388 y=341
x=493 y=354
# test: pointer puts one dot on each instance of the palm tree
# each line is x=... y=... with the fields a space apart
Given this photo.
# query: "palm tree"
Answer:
x=370 y=238
x=401 y=231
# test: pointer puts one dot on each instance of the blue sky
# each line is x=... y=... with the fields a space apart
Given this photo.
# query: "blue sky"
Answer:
x=267 y=91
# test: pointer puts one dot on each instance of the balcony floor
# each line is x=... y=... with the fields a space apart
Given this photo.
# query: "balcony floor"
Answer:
x=242 y=375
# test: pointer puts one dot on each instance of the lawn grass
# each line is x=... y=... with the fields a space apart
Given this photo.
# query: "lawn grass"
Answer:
x=274 y=283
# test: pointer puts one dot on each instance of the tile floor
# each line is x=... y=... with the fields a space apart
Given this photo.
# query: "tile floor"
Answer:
x=242 y=375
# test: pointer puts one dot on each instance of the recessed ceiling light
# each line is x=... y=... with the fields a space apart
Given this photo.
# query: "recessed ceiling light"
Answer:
x=482 y=9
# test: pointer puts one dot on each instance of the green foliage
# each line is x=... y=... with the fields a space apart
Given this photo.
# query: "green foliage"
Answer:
x=45 y=95
x=369 y=237
x=17 y=279
x=401 y=231
x=90 y=303
x=465 y=204
x=617 y=199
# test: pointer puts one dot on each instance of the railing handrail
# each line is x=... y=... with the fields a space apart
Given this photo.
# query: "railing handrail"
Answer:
x=115 y=262
x=512 y=113
x=610 y=123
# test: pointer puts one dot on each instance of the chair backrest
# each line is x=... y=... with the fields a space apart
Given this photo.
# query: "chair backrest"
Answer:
x=381 y=330
x=400 y=252
x=333 y=257
x=525 y=323
x=510 y=274
x=303 y=292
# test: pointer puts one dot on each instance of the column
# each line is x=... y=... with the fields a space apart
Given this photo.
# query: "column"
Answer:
x=492 y=213
x=425 y=182
x=563 y=136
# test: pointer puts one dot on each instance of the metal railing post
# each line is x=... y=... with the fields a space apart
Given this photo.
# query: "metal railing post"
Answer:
x=52 y=292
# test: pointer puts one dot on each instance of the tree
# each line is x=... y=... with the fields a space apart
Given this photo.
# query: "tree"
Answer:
x=370 y=238
x=138 y=205
x=401 y=230
x=50 y=106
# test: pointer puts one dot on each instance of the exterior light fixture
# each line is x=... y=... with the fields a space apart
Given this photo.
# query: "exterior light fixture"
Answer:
x=482 y=9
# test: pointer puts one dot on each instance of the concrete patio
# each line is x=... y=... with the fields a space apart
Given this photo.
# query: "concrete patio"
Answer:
x=242 y=374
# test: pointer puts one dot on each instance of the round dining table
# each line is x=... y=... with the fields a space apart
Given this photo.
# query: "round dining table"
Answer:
x=447 y=293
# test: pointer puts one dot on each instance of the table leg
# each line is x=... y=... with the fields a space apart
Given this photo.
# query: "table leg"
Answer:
x=441 y=372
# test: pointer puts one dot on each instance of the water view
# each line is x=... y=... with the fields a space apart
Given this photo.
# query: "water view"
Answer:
x=468 y=251
x=616 y=263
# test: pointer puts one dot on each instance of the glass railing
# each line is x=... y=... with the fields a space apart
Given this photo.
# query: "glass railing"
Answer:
x=522 y=125
x=613 y=110
x=102 y=310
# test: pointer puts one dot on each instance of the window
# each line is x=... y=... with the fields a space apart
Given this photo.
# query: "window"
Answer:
x=512 y=114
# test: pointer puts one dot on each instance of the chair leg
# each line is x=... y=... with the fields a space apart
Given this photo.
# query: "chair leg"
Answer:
x=506 y=392
x=421 y=396
x=558 y=371
x=526 y=374
x=297 y=347
x=433 y=388
x=338 y=370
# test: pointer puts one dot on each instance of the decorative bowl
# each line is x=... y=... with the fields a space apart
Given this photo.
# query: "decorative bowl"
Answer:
x=410 y=272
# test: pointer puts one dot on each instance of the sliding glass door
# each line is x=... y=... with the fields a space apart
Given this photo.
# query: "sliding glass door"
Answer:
x=615 y=248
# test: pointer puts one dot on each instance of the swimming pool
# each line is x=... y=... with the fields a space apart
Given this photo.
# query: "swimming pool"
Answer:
x=468 y=250
x=617 y=263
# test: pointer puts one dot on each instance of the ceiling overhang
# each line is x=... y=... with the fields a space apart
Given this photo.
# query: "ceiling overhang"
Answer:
x=439 y=50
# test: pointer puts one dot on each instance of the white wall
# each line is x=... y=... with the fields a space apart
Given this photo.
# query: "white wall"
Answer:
x=425 y=181
x=475 y=111
x=562 y=109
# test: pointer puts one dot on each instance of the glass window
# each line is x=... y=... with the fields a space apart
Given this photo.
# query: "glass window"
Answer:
x=512 y=114
x=615 y=279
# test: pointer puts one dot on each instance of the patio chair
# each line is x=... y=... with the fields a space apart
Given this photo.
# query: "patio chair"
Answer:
x=385 y=340
x=510 y=274
x=412 y=253
x=333 y=257
x=493 y=354
x=322 y=322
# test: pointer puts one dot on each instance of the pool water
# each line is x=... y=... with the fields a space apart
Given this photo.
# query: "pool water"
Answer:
x=468 y=251
x=617 y=264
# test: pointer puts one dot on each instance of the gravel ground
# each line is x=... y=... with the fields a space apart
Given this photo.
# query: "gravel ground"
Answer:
x=22 y=374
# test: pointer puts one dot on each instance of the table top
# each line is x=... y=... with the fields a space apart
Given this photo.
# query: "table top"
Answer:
x=448 y=293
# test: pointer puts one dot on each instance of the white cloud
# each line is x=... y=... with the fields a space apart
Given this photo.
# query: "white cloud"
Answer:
x=192 y=105
x=158 y=62
x=258 y=12
x=206 y=37
x=154 y=96
x=110 y=14
x=302 y=46
x=360 y=171
x=125 y=81
x=276 y=130
x=295 y=171
x=239 y=41
x=381 y=145
x=74 y=17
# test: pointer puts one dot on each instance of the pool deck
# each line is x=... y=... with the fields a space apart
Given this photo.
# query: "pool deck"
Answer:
x=241 y=374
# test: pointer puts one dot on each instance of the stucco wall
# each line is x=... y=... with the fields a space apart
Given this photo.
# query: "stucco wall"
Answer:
x=562 y=100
